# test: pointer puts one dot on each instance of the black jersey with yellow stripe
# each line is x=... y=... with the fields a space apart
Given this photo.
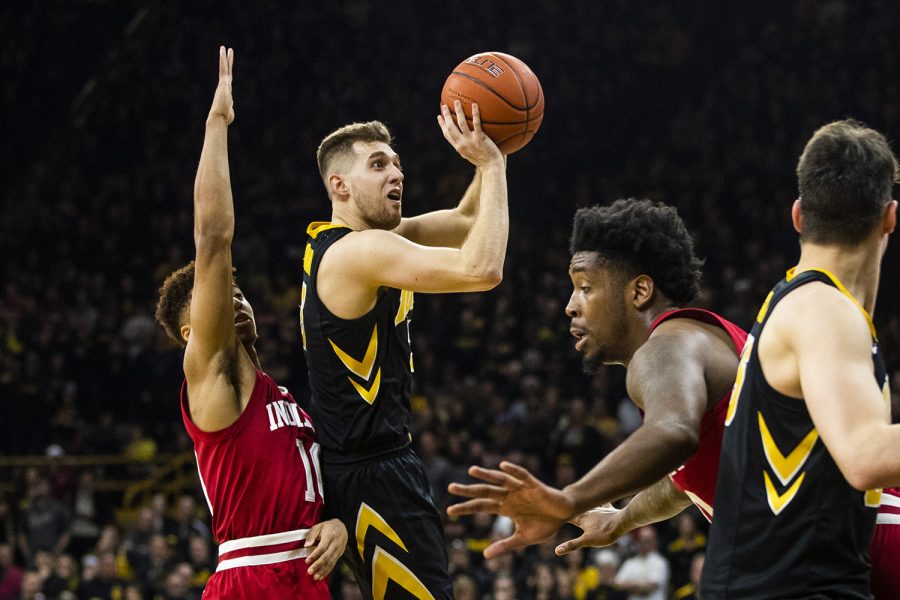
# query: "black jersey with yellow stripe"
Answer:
x=359 y=369
x=787 y=524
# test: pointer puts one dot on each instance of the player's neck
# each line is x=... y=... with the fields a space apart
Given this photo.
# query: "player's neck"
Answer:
x=857 y=267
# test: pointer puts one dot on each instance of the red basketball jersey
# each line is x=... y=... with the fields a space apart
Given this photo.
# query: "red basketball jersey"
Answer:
x=885 y=547
x=697 y=476
x=261 y=480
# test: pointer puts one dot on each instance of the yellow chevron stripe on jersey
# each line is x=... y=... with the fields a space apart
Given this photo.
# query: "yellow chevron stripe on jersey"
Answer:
x=363 y=368
x=786 y=467
x=369 y=517
x=386 y=568
x=777 y=501
x=872 y=498
x=792 y=272
x=370 y=394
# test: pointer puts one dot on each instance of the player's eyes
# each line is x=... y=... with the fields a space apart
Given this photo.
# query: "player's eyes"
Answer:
x=378 y=164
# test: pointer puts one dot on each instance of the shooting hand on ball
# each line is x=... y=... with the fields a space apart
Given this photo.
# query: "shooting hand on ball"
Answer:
x=471 y=143
x=223 y=103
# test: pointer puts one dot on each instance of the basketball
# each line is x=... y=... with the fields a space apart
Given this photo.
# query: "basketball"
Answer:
x=507 y=92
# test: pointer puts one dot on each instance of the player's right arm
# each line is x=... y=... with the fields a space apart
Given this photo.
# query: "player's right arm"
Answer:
x=830 y=340
x=375 y=258
x=209 y=359
x=604 y=525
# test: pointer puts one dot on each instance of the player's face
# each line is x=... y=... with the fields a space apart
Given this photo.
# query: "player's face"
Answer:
x=597 y=310
x=244 y=321
x=376 y=184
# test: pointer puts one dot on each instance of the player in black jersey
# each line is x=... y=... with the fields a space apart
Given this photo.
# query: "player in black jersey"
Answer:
x=360 y=272
x=807 y=438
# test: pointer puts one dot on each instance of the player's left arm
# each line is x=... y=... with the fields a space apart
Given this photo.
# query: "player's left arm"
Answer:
x=845 y=402
x=445 y=228
x=667 y=377
x=326 y=541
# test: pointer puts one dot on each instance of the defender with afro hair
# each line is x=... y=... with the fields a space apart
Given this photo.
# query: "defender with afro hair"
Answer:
x=641 y=237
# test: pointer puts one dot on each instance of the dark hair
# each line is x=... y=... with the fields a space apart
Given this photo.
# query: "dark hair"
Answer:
x=845 y=176
x=339 y=143
x=174 y=300
x=641 y=237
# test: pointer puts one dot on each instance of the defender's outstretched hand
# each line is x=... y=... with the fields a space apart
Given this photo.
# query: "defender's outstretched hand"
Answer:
x=472 y=144
x=223 y=104
x=537 y=510
x=326 y=541
x=601 y=525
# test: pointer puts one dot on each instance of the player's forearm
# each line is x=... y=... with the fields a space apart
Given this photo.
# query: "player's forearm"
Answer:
x=213 y=204
x=872 y=460
x=648 y=455
x=484 y=251
x=468 y=204
x=659 y=502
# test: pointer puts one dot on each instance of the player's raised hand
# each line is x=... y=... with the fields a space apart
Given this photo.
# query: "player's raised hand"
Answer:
x=471 y=142
x=223 y=103
x=601 y=525
x=326 y=542
x=537 y=510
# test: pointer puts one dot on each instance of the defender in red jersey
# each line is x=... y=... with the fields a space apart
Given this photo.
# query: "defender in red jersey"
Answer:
x=632 y=265
x=256 y=449
x=885 y=547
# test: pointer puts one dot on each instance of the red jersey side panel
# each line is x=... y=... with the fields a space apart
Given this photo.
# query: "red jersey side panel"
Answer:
x=697 y=476
x=261 y=480
x=885 y=547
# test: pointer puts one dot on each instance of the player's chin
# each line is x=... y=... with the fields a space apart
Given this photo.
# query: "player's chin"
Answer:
x=591 y=362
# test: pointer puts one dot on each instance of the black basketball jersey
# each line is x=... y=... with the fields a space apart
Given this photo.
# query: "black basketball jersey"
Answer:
x=787 y=524
x=359 y=369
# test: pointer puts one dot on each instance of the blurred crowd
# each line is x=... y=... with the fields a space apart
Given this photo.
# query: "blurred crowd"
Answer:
x=699 y=104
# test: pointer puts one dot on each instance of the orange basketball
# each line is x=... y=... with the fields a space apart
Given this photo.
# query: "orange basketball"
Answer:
x=507 y=92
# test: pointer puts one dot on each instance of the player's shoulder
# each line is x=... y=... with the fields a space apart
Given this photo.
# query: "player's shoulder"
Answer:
x=813 y=309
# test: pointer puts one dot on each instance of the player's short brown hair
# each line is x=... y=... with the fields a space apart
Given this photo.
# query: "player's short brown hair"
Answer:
x=845 y=175
x=339 y=144
x=175 y=301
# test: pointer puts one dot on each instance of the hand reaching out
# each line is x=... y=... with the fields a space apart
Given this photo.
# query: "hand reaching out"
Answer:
x=537 y=510
x=601 y=525
x=223 y=103
x=327 y=541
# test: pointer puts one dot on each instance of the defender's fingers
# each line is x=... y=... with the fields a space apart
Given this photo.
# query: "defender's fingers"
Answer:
x=495 y=477
x=515 y=470
x=230 y=61
x=223 y=62
x=505 y=546
x=477 y=490
x=471 y=507
x=571 y=545
x=461 y=117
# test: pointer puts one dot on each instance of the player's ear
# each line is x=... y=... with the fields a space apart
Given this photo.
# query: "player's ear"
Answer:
x=890 y=217
x=337 y=185
x=797 y=216
x=642 y=291
x=185 y=332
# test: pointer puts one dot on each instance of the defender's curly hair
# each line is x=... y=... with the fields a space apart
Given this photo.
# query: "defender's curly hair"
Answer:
x=175 y=300
x=641 y=237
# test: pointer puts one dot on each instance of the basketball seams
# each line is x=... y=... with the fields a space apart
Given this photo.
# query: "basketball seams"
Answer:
x=489 y=88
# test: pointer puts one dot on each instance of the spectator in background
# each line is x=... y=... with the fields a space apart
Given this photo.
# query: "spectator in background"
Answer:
x=646 y=575
x=186 y=524
x=691 y=590
x=437 y=468
x=137 y=542
x=464 y=588
x=681 y=551
x=607 y=562
x=106 y=584
x=31 y=589
x=10 y=574
x=64 y=580
x=201 y=560
x=505 y=587
x=45 y=523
